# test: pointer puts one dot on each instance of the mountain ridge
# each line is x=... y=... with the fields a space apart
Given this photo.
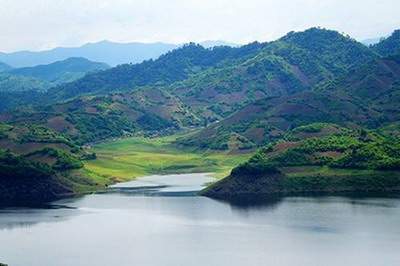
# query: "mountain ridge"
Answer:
x=58 y=72
x=109 y=52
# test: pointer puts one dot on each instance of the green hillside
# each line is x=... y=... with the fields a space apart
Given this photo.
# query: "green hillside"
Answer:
x=218 y=82
x=366 y=96
x=93 y=118
x=389 y=46
x=38 y=164
x=317 y=159
x=15 y=83
x=174 y=66
x=62 y=71
x=289 y=65
x=27 y=86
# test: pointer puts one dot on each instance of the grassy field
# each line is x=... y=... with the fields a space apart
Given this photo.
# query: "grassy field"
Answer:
x=128 y=158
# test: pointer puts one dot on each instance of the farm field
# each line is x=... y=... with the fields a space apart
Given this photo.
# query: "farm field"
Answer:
x=126 y=159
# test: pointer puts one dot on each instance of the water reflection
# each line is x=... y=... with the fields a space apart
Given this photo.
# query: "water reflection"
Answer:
x=156 y=224
x=248 y=202
x=11 y=218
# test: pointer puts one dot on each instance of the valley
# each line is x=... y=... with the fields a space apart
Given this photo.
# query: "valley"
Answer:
x=294 y=115
x=126 y=159
x=214 y=132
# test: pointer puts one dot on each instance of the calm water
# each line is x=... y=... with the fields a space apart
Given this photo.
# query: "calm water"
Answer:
x=158 y=221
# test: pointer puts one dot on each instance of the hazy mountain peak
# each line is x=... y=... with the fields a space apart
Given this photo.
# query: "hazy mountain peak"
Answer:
x=105 y=51
x=61 y=71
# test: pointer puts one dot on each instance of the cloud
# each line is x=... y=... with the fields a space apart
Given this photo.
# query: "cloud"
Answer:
x=40 y=24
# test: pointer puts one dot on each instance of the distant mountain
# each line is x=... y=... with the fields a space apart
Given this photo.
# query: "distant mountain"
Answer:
x=62 y=71
x=22 y=86
x=389 y=46
x=110 y=53
x=43 y=77
x=4 y=67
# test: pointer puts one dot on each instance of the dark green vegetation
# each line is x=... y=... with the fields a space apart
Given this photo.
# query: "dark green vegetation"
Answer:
x=60 y=72
x=366 y=96
x=389 y=46
x=43 y=77
x=14 y=83
x=334 y=99
x=22 y=86
x=171 y=67
x=93 y=118
x=317 y=159
x=38 y=164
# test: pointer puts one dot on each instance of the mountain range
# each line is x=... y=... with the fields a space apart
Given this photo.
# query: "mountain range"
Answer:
x=43 y=77
x=111 y=53
x=231 y=98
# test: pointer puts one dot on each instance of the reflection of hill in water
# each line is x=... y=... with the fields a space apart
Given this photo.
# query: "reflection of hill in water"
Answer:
x=250 y=202
x=11 y=218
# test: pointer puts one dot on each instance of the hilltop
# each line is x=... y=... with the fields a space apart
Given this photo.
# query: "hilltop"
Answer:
x=61 y=71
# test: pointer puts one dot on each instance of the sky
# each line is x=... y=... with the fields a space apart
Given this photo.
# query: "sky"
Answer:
x=44 y=24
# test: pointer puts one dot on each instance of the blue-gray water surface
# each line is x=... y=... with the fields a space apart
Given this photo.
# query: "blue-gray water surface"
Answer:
x=159 y=221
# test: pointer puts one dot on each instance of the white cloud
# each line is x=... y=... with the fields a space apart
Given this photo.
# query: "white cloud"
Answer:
x=40 y=24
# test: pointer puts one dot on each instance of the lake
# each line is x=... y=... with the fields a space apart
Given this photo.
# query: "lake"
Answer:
x=159 y=220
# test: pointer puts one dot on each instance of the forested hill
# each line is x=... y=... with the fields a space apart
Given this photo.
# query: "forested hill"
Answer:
x=61 y=71
x=294 y=63
x=176 y=65
x=388 y=46
x=24 y=86
x=317 y=159
x=367 y=96
x=296 y=59
x=202 y=85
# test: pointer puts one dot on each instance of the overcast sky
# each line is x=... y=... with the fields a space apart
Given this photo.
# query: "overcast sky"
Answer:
x=43 y=24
